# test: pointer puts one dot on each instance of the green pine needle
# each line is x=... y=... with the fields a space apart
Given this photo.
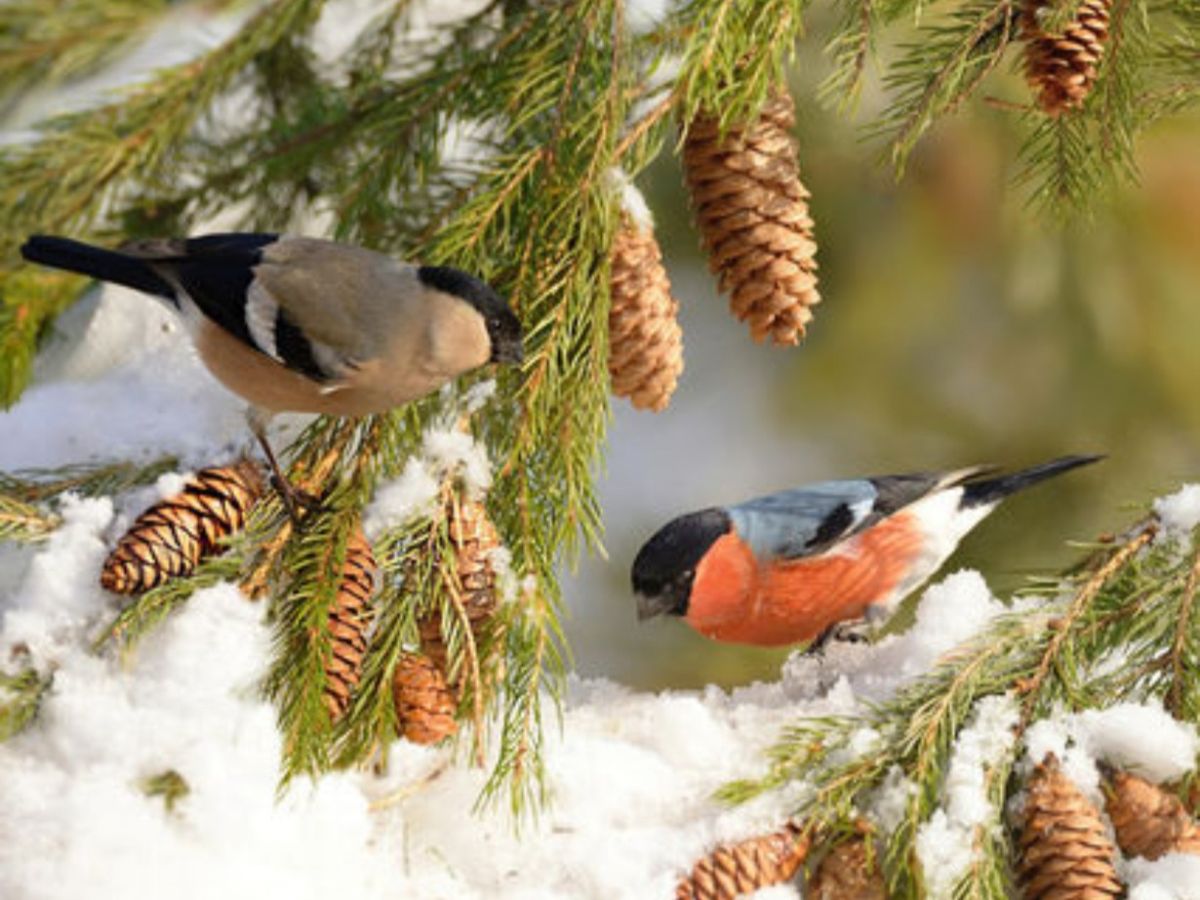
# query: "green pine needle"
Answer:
x=20 y=697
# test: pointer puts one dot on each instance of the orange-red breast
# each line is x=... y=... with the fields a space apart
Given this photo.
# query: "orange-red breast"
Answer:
x=790 y=566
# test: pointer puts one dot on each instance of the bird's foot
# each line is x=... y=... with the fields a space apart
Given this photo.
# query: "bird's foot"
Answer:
x=295 y=500
x=856 y=632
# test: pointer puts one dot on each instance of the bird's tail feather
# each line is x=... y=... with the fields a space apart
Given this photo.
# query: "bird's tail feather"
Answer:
x=106 y=265
x=990 y=490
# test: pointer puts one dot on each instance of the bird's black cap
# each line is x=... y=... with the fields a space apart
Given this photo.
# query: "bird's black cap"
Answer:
x=665 y=567
x=503 y=327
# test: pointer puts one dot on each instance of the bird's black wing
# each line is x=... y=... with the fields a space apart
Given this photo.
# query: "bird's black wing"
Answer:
x=215 y=271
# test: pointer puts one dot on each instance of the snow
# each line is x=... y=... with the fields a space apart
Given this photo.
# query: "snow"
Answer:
x=76 y=822
x=643 y=16
x=946 y=843
x=1175 y=876
x=445 y=451
x=1180 y=511
x=633 y=202
x=1117 y=736
x=950 y=612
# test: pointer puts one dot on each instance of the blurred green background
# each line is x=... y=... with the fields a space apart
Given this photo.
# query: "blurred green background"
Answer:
x=957 y=326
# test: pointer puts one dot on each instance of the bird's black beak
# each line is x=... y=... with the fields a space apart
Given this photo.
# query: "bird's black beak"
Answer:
x=649 y=606
x=508 y=351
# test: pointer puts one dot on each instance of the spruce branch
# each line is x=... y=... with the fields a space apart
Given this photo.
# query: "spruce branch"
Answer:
x=63 y=180
x=734 y=55
x=1177 y=54
x=86 y=479
x=30 y=300
x=941 y=69
x=989 y=875
x=1185 y=660
x=23 y=492
x=1070 y=160
x=150 y=609
x=850 y=49
x=49 y=40
x=300 y=620
x=20 y=698
x=21 y=521
x=1064 y=628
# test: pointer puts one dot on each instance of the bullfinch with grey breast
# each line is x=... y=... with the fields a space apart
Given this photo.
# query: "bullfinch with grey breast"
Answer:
x=799 y=564
x=298 y=324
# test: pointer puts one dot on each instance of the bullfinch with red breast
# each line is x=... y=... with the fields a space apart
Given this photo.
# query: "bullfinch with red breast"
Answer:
x=795 y=565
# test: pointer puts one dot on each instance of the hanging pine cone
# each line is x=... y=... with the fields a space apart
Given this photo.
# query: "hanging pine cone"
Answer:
x=349 y=617
x=1148 y=820
x=645 y=352
x=753 y=216
x=1064 y=852
x=1061 y=67
x=736 y=869
x=848 y=872
x=424 y=702
x=173 y=535
x=474 y=538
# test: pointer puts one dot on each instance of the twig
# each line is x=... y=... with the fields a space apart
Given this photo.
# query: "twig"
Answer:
x=451 y=579
x=1179 y=646
x=1079 y=605
x=254 y=585
x=411 y=789
x=645 y=123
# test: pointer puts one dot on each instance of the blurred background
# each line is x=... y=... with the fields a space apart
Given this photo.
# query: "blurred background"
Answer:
x=957 y=327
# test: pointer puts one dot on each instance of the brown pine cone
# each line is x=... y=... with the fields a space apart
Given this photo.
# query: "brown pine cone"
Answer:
x=349 y=617
x=645 y=352
x=1061 y=67
x=1064 y=852
x=173 y=535
x=742 y=868
x=848 y=872
x=474 y=538
x=424 y=702
x=753 y=216
x=1148 y=820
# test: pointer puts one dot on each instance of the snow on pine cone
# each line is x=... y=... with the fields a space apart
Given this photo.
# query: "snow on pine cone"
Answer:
x=349 y=617
x=474 y=538
x=753 y=216
x=732 y=870
x=424 y=702
x=848 y=872
x=172 y=536
x=1063 y=850
x=1149 y=821
x=645 y=351
x=1061 y=67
